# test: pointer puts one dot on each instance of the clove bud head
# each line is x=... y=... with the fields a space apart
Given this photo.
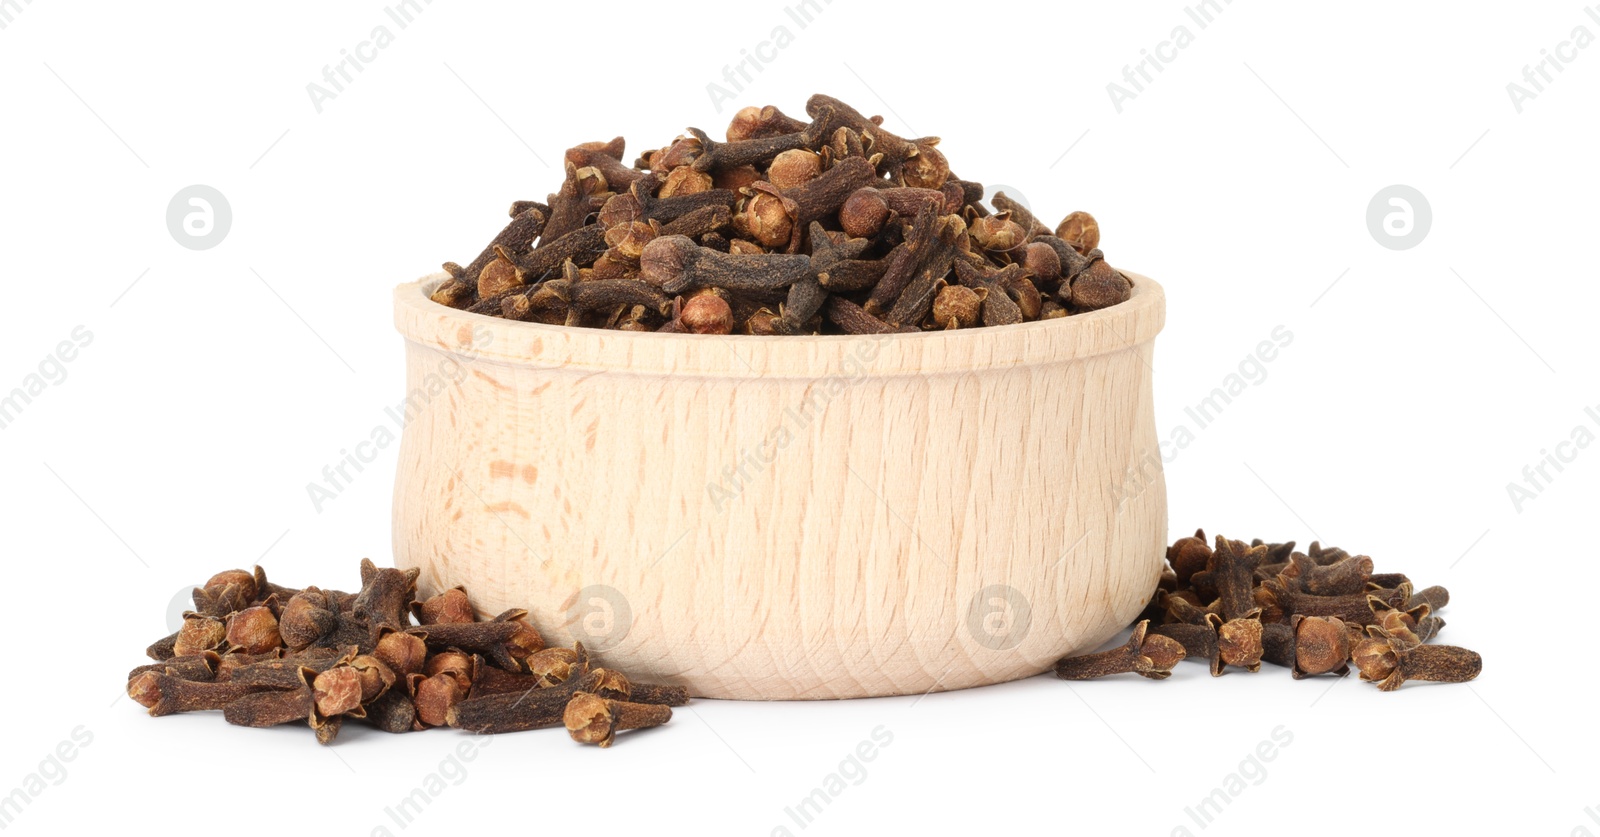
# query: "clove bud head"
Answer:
x=450 y=606
x=253 y=630
x=794 y=167
x=1080 y=230
x=245 y=580
x=337 y=691
x=767 y=217
x=1099 y=286
x=305 y=619
x=1322 y=645
x=928 y=169
x=454 y=663
x=1239 y=642
x=958 y=306
x=434 y=696
x=684 y=181
x=864 y=213
x=404 y=654
x=707 y=313
x=198 y=634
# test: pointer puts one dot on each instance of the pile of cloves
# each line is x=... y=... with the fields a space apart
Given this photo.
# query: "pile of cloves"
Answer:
x=1238 y=605
x=266 y=655
x=830 y=225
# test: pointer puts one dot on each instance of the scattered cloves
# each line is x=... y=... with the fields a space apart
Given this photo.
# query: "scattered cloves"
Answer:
x=1317 y=612
x=324 y=657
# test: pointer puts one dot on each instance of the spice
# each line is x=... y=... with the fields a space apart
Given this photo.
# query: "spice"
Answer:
x=520 y=711
x=199 y=633
x=591 y=719
x=253 y=630
x=675 y=264
x=798 y=225
x=1321 y=645
x=450 y=606
x=1317 y=612
x=1148 y=655
x=167 y=694
x=1389 y=661
x=322 y=657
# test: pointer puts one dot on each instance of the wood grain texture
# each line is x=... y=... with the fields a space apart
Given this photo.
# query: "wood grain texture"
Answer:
x=789 y=518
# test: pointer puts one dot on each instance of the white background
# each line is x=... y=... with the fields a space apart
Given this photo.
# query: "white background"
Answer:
x=219 y=383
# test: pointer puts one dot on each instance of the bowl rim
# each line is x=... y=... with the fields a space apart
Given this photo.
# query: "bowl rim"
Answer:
x=1123 y=327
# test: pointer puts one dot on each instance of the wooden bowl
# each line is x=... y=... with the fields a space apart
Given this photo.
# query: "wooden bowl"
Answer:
x=789 y=518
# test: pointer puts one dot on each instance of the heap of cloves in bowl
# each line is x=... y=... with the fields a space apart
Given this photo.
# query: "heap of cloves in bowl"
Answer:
x=826 y=225
x=1237 y=605
x=266 y=655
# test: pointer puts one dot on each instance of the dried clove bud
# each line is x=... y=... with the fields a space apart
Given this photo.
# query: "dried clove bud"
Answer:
x=794 y=167
x=591 y=719
x=1080 y=230
x=305 y=619
x=998 y=235
x=1342 y=577
x=1145 y=654
x=1389 y=662
x=1230 y=570
x=758 y=123
x=707 y=312
x=476 y=637
x=957 y=306
x=220 y=599
x=337 y=691
x=1239 y=642
x=199 y=633
x=253 y=630
x=1040 y=261
x=404 y=653
x=450 y=606
x=519 y=711
x=1350 y=609
x=166 y=694
x=676 y=264
x=454 y=663
x=434 y=697
x=1099 y=286
x=685 y=181
x=246 y=582
x=864 y=213
x=571 y=206
x=554 y=665
x=605 y=158
x=1321 y=645
x=376 y=676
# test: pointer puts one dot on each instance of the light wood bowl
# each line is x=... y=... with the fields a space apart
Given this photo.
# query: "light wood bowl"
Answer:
x=789 y=518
